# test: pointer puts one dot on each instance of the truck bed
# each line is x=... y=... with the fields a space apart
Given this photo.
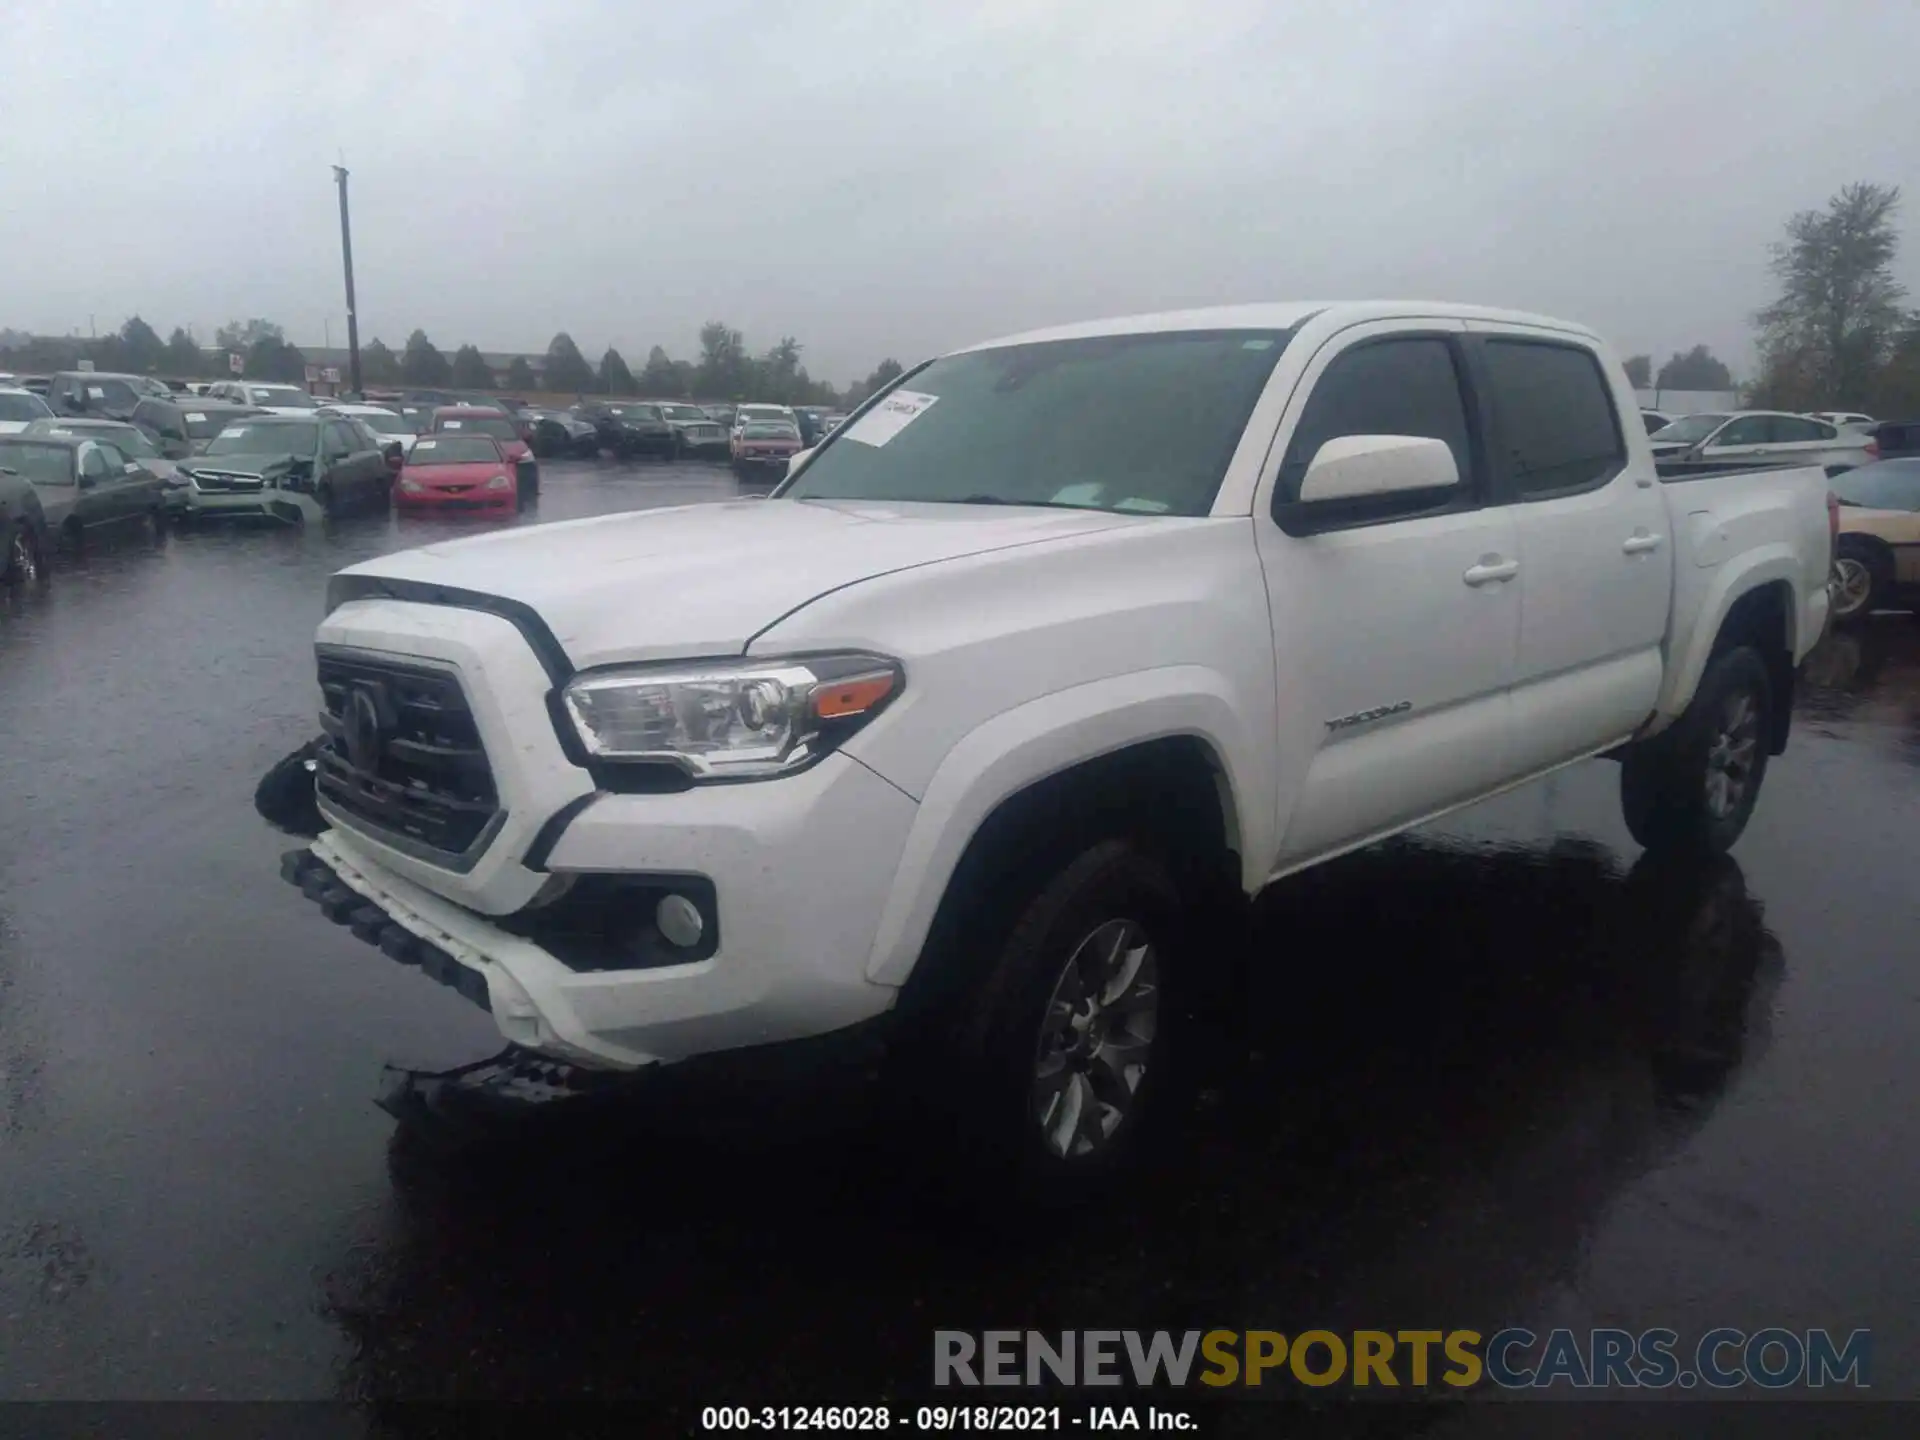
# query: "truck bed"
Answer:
x=1734 y=529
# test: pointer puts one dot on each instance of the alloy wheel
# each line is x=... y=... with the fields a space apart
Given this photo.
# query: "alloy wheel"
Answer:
x=1732 y=753
x=1096 y=1039
x=1852 y=585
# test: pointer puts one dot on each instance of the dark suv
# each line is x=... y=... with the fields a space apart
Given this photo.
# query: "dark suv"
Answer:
x=1897 y=438
x=629 y=428
x=96 y=393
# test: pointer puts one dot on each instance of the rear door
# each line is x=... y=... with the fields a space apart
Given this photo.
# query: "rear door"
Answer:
x=101 y=498
x=1596 y=562
x=1395 y=619
x=128 y=490
x=359 y=471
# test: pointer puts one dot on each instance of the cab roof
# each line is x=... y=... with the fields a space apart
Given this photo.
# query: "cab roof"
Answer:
x=1279 y=315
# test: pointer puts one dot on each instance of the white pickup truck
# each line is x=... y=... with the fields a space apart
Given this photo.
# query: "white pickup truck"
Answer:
x=1055 y=644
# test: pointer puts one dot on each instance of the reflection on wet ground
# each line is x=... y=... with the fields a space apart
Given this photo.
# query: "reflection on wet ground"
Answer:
x=1500 y=1072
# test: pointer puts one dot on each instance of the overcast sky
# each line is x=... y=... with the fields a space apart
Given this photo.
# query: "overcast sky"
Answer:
x=894 y=179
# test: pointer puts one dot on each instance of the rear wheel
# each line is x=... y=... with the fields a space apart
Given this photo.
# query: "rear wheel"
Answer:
x=23 y=561
x=1692 y=788
x=1862 y=578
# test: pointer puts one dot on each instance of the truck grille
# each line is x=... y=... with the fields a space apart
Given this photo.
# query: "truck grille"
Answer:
x=404 y=757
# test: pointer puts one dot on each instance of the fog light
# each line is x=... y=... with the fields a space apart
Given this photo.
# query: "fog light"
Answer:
x=680 y=921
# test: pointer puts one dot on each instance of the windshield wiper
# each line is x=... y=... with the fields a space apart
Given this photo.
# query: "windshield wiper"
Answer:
x=1003 y=500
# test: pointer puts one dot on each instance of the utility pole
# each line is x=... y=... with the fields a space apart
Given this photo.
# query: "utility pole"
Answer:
x=346 y=260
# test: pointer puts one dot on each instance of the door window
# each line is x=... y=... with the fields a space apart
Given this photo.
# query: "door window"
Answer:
x=1407 y=385
x=340 y=441
x=94 y=464
x=1558 y=429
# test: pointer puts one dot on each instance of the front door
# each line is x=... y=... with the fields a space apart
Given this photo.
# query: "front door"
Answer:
x=1596 y=559
x=1395 y=624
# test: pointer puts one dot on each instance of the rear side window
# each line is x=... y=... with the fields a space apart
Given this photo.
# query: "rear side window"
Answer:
x=1746 y=430
x=1792 y=430
x=1556 y=417
x=1388 y=387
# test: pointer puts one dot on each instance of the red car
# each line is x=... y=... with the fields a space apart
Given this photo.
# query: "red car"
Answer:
x=452 y=470
x=477 y=420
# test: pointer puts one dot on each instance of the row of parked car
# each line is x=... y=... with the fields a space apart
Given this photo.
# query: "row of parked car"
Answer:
x=89 y=450
x=1874 y=467
x=1837 y=440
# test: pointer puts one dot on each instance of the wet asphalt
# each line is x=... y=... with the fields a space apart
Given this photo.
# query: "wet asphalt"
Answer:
x=1501 y=1072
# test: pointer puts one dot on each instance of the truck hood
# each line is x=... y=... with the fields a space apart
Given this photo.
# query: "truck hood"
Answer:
x=704 y=579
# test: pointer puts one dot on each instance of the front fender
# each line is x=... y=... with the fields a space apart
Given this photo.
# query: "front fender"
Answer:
x=1043 y=737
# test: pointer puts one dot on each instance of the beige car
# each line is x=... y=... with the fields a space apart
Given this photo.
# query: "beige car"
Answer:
x=1877 y=556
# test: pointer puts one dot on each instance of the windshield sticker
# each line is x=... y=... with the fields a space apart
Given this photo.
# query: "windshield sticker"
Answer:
x=1256 y=345
x=890 y=417
x=450 y=424
x=1144 y=507
x=197 y=417
x=96 y=392
x=425 y=444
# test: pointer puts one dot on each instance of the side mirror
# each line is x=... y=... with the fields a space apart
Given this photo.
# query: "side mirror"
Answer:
x=1359 y=467
x=87 y=482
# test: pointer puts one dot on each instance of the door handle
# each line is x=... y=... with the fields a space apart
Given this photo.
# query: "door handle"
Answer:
x=1640 y=544
x=1490 y=569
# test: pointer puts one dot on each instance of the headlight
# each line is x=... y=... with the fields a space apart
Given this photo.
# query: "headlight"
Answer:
x=411 y=486
x=730 y=719
x=499 y=482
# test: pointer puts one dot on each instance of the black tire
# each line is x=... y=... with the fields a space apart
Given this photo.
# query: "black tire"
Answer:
x=1863 y=579
x=1692 y=788
x=23 y=563
x=1012 y=1069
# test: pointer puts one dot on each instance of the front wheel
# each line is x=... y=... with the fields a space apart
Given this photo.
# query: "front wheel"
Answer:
x=1054 y=1070
x=1692 y=788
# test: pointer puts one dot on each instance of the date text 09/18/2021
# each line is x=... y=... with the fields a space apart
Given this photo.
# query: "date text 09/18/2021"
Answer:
x=946 y=1419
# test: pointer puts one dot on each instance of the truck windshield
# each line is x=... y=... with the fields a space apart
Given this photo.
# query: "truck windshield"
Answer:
x=1690 y=429
x=1143 y=423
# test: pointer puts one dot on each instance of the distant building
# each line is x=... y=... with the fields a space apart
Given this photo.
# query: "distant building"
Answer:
x=1687 y=402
